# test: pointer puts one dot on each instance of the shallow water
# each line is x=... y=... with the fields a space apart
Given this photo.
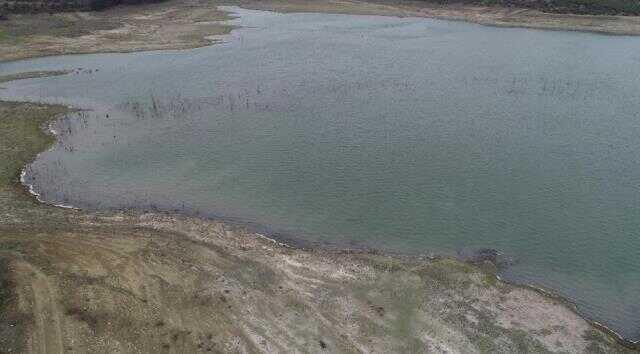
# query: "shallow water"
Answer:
x=409 y=135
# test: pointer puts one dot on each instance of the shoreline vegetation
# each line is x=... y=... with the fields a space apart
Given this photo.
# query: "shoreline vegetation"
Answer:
x=104 y=282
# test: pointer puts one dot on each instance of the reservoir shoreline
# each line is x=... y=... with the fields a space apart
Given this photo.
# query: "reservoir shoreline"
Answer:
x=168 y=218
x=289 y=241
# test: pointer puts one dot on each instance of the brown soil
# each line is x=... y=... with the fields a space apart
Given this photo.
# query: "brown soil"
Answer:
x=175 y=25
x=485 y=15
x=155 y=283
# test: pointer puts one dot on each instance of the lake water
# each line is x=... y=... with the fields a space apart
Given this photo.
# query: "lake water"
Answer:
x=403 y=134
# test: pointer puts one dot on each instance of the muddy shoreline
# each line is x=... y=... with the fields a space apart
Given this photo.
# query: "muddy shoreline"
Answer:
x=289 y=241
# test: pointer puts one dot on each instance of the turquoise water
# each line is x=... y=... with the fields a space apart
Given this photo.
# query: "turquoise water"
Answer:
x=404 y=134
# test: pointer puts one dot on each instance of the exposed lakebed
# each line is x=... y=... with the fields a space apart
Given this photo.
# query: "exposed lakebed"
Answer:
x=403 y=134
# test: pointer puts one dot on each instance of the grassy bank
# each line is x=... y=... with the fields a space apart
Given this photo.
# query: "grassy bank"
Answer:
x=21 y=138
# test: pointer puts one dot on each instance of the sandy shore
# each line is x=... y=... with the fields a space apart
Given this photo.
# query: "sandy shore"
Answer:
x=130 y=282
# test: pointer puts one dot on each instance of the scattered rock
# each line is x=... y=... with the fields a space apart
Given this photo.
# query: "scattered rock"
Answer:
x=323 y=345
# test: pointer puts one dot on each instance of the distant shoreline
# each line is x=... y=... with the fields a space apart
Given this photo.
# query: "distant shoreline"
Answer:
x=121 y=29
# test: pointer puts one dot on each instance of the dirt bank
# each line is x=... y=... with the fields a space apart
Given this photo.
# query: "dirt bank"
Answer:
x=174 y=25
x=155 y=283
x=485 y=15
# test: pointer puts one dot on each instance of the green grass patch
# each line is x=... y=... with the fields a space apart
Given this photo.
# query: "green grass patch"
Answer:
x=21 y=139
x=489 y=280
x=448 y=272
x=6 y=284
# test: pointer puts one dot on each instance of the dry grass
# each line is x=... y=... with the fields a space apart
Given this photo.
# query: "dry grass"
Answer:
x=176 y=25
